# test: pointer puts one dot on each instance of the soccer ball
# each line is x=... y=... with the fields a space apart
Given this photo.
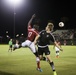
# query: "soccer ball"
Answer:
x=61 y=24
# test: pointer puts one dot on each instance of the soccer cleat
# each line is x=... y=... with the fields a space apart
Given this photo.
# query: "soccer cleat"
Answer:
x=39 y=69
x=57 y=56
x=55 y=73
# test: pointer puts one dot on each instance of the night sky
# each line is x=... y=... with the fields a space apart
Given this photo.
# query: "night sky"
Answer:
x=55 y=10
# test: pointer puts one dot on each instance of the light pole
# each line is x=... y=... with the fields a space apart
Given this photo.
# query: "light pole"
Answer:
x=14 y=21
x=15 y=4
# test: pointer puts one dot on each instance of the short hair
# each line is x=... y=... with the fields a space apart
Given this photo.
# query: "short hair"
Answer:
x=51 y=26
x=36 y=26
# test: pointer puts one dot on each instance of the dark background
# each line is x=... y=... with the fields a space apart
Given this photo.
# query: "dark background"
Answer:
x=55 y=10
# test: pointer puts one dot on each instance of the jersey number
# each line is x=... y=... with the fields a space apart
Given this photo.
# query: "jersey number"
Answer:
x=29 y=34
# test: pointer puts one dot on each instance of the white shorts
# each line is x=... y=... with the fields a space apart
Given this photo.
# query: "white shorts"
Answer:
x=56 y=48
x=29 y=44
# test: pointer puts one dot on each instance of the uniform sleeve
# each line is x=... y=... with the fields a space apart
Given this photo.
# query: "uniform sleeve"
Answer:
x=36 y=33
x=52 y=38
x=29 y=27
x=40 y=33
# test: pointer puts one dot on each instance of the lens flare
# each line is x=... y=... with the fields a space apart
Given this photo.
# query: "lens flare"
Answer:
x=12 y=3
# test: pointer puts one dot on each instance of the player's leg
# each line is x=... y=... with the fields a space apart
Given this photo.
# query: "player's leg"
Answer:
x=47 y=53
x=9 y=48
x=35 y=52
x=26 y=43
x=23 y=44
x=51 y=64
x=16 y=45
x=57 y=54
x=38 y=63
x=40 y=52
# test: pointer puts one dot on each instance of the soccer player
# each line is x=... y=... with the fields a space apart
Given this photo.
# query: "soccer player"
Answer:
x=32 y=33
x=57 y=49
x=10 y=45
x=43 y=39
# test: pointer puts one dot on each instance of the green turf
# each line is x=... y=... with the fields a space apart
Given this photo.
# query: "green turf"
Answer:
x=22 y=62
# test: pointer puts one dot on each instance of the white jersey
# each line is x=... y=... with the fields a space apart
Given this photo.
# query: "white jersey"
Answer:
x=56 y=48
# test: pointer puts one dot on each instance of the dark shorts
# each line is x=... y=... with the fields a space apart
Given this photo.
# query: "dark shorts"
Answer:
x=45 y=50
x=57 y=51
x=10 y=46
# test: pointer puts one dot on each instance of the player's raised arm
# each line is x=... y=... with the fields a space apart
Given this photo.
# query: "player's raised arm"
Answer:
x=30 y=21
x=58 y=46
x=54 y=46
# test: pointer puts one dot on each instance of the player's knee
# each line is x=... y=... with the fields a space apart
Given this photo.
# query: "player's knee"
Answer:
x=41 y=58
x=23 y=45
x=37 y=59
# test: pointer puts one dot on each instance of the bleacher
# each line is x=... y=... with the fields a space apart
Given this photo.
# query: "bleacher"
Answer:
x=68 y=35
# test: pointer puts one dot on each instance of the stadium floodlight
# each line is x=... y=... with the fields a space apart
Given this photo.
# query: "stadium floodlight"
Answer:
x=15 y=3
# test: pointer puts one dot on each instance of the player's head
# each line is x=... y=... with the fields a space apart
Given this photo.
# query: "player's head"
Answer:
x=57 y=40
x=10 y=39
x=36 y=26
x=50 y=26
x=36 y=23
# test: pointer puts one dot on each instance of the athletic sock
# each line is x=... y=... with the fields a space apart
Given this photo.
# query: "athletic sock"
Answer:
x=38 y=62
x=52 y=65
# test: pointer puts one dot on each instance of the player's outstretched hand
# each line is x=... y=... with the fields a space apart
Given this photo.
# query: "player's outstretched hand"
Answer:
x=35 y=42
x=34 y=15
x=61 y=49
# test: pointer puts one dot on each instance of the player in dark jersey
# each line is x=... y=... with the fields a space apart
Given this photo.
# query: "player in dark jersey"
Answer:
x=32 y=33
x=43 y=39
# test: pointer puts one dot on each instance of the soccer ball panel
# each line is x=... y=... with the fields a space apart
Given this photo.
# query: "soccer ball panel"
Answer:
x=61 y=24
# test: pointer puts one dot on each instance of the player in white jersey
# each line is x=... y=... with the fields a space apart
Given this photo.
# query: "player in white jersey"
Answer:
x=57 y=50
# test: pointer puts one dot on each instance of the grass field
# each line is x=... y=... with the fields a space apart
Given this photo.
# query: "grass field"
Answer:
x=22 y=62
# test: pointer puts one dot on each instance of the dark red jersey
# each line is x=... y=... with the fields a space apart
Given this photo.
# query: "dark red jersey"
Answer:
x=32 y=33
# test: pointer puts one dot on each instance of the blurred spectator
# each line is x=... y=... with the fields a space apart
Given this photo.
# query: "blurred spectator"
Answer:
x=65 y=42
